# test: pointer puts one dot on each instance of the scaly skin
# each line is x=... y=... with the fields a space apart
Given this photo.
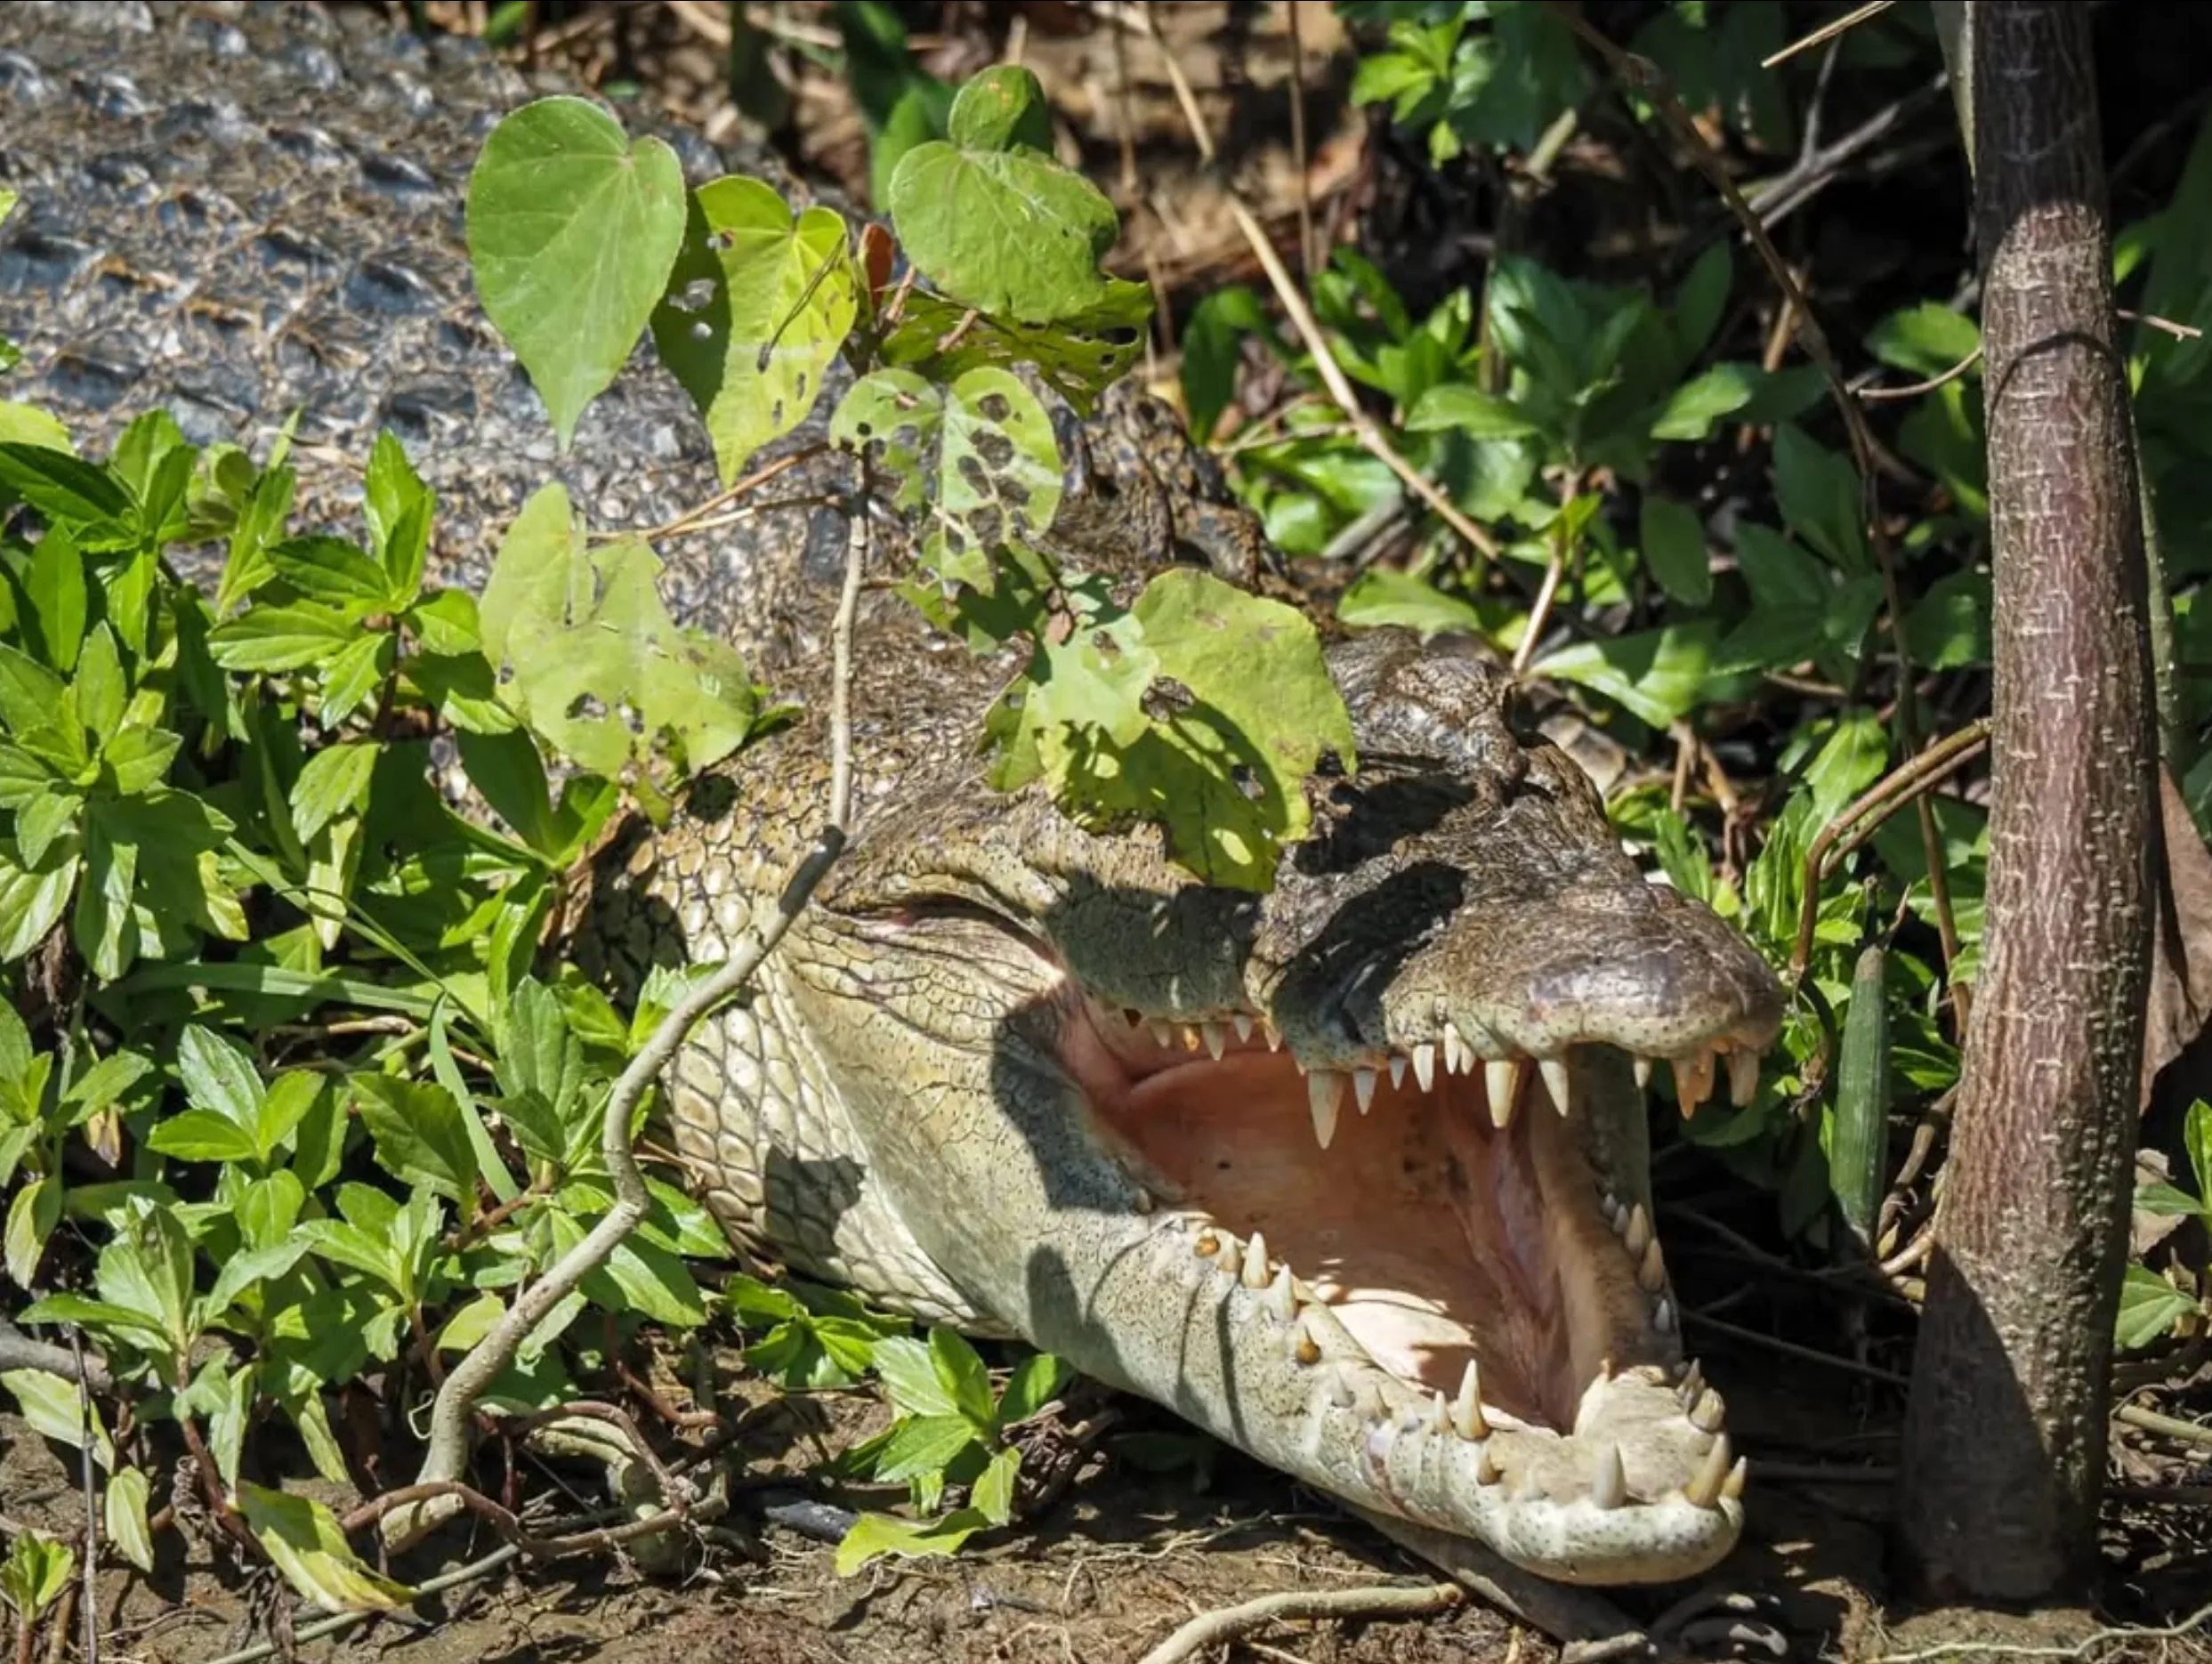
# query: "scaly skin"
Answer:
x=933 y=1095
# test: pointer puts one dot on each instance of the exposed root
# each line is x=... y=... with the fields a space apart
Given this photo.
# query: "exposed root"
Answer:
x=1388 y=1600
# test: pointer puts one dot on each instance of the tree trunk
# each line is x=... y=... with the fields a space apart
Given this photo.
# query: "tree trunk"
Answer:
x=2005 y=1437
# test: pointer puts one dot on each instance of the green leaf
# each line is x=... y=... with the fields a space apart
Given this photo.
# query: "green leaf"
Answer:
x=1674 y=548
x=757 y=307
x=1818 y=489
x=282 y=637
x=1468 y=409
x=1033 y=1385
x=38 y=1569
x=29 y=693
x=27 y=425
x=872 y=1535
x=353 y=674
x=1382 y=596
x=572 y=230
x=1948 y=628
x=1212 y=345
x=57 y=1408
x=1658 y=675
x=1080 y=356
x=33 y=1212
x=139 y=758
x=301 y=1536
x=33 y=898
x=1203 y=710
x=992 y=1493
x=2196 y=1139
x=922 y=1446
x=147 y=1268
x=60 y=486
x=1692 y=408
x=105 y=927
x=334 y=782
x=960 y=1371
x=1925 y=340
x=398 y=508
x=202 y=1135
x=1000 y=109
x=220 y=1076
x=124 y=1514
x=330 y=569
x=2149 y=1308
x=910 y=1376
x=2165 y=1201
x=1006 y=232
x=55 y=583
x=420 y=1135
x=1701 y=300
x=578 y=624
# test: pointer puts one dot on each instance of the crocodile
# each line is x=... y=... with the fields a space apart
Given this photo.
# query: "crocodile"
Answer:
x=1353 y=1174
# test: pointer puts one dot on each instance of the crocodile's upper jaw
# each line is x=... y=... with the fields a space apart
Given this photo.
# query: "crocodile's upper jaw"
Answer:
x=1242 y=1155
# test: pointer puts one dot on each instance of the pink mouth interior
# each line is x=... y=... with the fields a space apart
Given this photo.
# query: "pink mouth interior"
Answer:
x=1434 y=1237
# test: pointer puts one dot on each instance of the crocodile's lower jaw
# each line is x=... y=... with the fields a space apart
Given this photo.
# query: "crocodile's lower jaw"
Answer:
x=1459 y=1324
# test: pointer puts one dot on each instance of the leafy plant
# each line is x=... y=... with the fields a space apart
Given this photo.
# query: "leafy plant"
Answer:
x=2154 y=1304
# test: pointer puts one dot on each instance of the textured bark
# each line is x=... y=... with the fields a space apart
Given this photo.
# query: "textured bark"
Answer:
x=2004 y=1440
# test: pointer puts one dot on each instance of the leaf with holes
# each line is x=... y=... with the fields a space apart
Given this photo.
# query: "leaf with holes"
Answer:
x=756 y=308
x=571 y=231
x=1080 y=355
x=981 y=456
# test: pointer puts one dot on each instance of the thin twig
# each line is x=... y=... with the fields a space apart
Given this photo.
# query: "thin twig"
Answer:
x=1790 y=1349
x=1388 y=1600
x=1874 y=395
x=91 y=1482
x=1371 y=436
x=456 y=1399
x=1553 y=570
x=2193 y=1624
x=1827 y=31
x=2152 y=320
x=752 y=481
x=338 y=1623
x=2165 y=1426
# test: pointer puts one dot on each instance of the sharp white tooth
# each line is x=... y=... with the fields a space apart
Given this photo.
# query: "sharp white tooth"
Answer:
x=1425 y=1064
x=1637 y=1233
x=1163 y=1036
x=1485 y=1468
x=1708 y=1413
x=1642 y=1066
x=1743 y=1077
x=1324 y=1091
x=1241 y=1021
x=1467 y=1419
x=1363 y=1087
x=1663 y=1316
x=1731 y=1487
x=1556 y=1083
x=1397 y=1069
x=1692 y=1384
x=1457 y=1056
x=1610 y=1488
x=1272 y=1034
x=1501 y=1083
x=1652 y=1269
x=1280 y=1300
x=1339 y=1390
x=1230 y=1260
x=1693 y=1081
x=1706 y=1485
x=1255 y=1262
x=1211 y=1033
x=1438 y=1415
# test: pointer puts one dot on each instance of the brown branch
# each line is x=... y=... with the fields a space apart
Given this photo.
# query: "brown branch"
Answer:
x=1388 y=1600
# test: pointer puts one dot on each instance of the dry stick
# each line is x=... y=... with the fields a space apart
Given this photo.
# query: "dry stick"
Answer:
x=2165 y=1426
x=342 y=1621
x=1363 y=426
x=2194 y=1624
x=1298 y=159
x=449 y=1416
x=1652 y=81
x=1874 y=395
x=1552 y=571
x=1915 y=778
x=1389 y=1600
x=91 y=1481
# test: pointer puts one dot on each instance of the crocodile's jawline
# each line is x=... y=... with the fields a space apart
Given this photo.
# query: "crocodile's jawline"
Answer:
x=232 y=212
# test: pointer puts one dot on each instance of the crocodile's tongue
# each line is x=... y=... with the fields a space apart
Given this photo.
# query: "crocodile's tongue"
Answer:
x=1434 y=1237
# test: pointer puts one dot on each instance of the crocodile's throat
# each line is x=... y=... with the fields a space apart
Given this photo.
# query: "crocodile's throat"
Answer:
x=1442 y=1240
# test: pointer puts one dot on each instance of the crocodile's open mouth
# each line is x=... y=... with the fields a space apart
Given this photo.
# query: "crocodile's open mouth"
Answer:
x=1440 y=1208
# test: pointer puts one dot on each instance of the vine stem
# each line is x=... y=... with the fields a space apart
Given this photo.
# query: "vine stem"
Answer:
x=448 y=1451
x=1364 y=428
